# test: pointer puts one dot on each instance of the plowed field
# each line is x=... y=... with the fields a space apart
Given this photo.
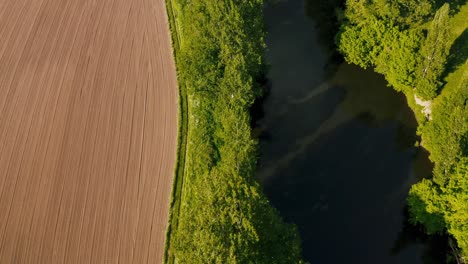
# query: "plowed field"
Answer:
x=88 y=126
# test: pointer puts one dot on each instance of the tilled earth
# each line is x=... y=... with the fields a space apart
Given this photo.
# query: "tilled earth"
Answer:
x=88 y=126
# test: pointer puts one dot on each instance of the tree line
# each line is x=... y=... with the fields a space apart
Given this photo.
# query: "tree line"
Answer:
x=224 y=216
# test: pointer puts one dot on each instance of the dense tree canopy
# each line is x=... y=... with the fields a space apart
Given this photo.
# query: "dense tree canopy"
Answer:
x=442 y=203
x=434 y=53
x=404 y=13
x=368 y=38
x=224 y=216
x=445 y=206
x=445 y=136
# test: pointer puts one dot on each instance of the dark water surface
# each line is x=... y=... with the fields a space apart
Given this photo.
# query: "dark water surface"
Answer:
x=337 y=150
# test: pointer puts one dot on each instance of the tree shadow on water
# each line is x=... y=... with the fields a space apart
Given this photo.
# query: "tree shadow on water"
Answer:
x=257 y=111
x=435 y=247
x=324 y=15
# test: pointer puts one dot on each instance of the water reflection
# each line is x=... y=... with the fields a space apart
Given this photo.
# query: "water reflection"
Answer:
x=337 y=149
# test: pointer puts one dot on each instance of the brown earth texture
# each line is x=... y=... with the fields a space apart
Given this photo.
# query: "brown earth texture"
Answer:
x=88 y=127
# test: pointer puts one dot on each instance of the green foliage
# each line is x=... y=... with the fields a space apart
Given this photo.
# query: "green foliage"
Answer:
x=369 y=38
x=404 y=13
x=425 y=206
x=399 y=58
x=224 y=216
x=456 y=198
x=434 y=54
x=362 y=43
x=444 y=135
x=445 y=197
x=444 y=207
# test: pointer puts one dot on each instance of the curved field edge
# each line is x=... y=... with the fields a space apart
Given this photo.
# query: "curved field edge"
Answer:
x=179 y=173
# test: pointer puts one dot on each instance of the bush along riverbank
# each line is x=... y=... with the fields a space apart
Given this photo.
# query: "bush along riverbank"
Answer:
x=224 y=217
x=422 y=49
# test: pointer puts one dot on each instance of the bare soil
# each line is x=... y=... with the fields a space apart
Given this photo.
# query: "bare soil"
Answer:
x=88 y=126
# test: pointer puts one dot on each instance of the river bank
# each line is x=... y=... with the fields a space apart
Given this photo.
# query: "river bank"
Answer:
x=337 y=149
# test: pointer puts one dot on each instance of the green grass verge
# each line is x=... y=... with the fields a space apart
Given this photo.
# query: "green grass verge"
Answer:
x=179 y=173
x=460 y=22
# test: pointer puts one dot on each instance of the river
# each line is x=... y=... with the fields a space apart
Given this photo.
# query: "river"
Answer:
x=337 y=154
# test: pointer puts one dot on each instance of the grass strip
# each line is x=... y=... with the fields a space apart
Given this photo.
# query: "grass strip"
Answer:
x=179 y=173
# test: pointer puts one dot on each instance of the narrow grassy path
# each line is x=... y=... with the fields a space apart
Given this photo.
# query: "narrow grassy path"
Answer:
x=179 y=174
